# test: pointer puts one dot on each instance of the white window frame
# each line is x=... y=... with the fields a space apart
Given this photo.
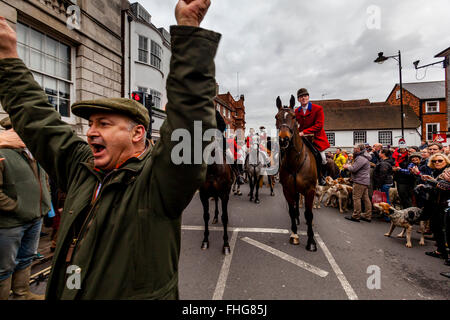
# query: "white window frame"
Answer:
x=156 y=96
x=380 y=140
x=427 y=106
x=155 y=55
x=145 y=50
x=331 y=136
x=397 y=95
x=355 y=133
x=142 y=89
x=71 y=64
x=438 y=129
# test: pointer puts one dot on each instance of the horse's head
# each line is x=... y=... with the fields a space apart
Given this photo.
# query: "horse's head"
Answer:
x=286 y=122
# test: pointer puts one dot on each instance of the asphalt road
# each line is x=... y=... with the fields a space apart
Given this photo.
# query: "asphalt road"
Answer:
x=264 y=266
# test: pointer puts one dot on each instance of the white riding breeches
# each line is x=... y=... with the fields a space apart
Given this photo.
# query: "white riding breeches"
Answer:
x=324 y=158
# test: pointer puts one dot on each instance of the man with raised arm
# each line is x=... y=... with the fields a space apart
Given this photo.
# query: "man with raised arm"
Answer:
x=120 y=230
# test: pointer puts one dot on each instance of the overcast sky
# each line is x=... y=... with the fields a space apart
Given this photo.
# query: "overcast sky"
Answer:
x=327 y=46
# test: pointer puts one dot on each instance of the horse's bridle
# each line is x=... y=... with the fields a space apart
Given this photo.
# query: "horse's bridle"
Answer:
x=291 y=131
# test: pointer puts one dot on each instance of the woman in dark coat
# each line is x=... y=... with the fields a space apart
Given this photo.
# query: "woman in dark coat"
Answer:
x=436 y=203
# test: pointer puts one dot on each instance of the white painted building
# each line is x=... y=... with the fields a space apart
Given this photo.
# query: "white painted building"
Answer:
x=374 y=123
x=147 y=61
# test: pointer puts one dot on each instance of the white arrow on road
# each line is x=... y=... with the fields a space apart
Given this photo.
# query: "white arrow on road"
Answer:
x=304 y=265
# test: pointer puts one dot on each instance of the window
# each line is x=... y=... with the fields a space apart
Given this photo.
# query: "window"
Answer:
x=432 y=106
x=156 y=96
x=143 y=49
x=50 y=62
x=143 y=89
x=331 y=138
x=397 y=95
x=385 y=138
x=156 y=55
x=359 y=137
x=432 y=128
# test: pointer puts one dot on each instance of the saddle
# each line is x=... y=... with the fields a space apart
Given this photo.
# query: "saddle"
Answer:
x=308 y=141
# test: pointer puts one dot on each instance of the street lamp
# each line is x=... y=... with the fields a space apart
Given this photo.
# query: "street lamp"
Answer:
x=381 y=58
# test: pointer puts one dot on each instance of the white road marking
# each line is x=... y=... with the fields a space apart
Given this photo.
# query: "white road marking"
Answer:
x=250 y=230
x=223 y=276
x=340 y=275
x=304 y=265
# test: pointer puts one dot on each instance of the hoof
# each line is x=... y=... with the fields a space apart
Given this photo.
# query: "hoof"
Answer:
x=409 y=245
x=422 y=243
x=400 y=236
x=215 y=221
x=311 y=247
x=294 y=241
x=205 y=245
x=226 y=251
x=272 y=194
x=387 y=235
x=257 y=201
x=251 y=199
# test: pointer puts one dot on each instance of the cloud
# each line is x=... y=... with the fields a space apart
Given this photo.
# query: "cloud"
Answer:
x=323 y=45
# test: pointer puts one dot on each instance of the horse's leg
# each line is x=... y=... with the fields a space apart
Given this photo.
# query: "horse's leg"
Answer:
x=252 y=185
x=226 y=245
x=216 y=211
x=238 y=192
x=271 y=179
x=294 y=239
x=205 y=202
x=309 y=200
x=297 y=209
x=258 y=179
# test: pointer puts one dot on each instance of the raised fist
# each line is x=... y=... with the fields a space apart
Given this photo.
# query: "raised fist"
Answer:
x=191 y=12
x=8 y=40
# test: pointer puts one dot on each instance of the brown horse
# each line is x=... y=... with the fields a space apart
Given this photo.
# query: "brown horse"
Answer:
x=219 y=179
x=298 y=171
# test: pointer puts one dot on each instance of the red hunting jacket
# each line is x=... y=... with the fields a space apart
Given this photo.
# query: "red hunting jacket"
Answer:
x=312 y=123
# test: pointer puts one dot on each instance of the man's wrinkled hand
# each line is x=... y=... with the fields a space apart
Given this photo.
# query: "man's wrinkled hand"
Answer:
x=10 y=140
x=8 y=40
x=191 y=12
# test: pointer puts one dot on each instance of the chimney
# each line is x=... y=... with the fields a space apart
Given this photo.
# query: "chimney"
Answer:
x=242 y=97
x=217 y=89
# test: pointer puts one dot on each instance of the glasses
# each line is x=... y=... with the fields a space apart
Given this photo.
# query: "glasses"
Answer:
x=438 y=161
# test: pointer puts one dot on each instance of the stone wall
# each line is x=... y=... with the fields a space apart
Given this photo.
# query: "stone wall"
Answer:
x=97 y=46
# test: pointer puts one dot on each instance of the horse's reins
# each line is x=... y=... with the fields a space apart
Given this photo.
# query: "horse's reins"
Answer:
x=294 y=174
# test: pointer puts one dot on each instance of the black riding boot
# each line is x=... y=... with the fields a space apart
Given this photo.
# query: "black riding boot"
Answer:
x=240 y=178
x=321 y=174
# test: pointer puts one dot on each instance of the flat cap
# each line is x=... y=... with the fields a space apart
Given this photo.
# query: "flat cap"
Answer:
x=130 y=108
x=6 y=123
x=416 y=154
x=302 y=92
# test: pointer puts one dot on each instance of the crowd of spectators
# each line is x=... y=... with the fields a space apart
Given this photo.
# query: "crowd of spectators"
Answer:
x=420 y=175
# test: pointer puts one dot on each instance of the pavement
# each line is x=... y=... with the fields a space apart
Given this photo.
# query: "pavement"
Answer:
x=354 y=261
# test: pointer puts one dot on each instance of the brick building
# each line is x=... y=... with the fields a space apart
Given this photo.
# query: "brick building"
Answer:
x=446 y=55
x=233 y=111
x=428 y=100
x=70 y=63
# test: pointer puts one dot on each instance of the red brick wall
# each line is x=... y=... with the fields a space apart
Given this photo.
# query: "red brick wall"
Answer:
x=408 y=99
x=414 y=102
